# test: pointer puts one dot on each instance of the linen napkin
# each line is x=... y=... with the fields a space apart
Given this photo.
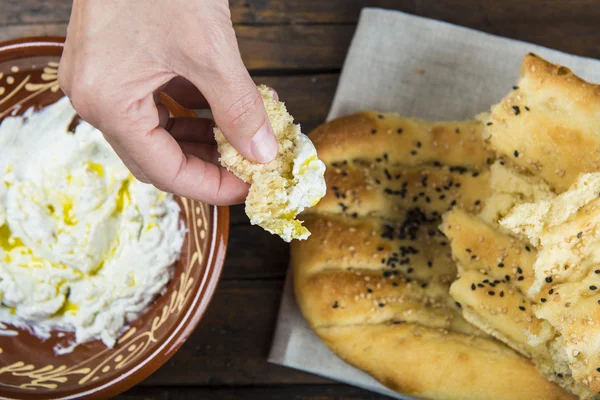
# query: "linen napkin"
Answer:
x=421 y=68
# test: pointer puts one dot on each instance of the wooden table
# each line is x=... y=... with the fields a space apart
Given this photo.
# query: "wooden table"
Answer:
x=297 y=47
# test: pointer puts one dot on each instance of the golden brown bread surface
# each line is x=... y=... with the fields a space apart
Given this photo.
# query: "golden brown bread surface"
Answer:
x=546 y=131
x=548 y=125
x=373 y=279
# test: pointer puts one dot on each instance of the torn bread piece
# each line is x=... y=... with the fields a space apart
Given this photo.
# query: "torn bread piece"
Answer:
x=286 y=186
x=548 y=124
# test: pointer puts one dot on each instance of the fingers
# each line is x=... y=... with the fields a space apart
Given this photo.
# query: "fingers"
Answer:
x=160 y=158
x=236 y=104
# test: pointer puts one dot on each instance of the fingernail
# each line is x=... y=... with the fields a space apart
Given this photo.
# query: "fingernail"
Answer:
x=275 y=95
x=264 y=146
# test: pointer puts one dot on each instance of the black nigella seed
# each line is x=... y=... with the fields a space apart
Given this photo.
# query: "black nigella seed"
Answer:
x=468 y=250
x=473 y=287
x=395 y=284
x=380 y=116
x=453 y=203
x=517 y=110
x=414 y=153
x=501 y=265
x=335 y=304
x=520 y=278
x=475 y=174
x=374 y=131
x=516 y=153
x=579 y=235
x=519 y=270
x=543 y=300
x=478 y=202
x=502 y=294
x=480 y=285
x=399 y=131
x=369 y=290
x=593 y=287
x=597 y=271
x=515 y=88
x=489 y=124
x=424 y=285
x=527 y=108
x=598 y=369
x=491 y=293
x=381 y=305
x=549 y=279
x=521 y=308
x=550 y=291
x=527 y=248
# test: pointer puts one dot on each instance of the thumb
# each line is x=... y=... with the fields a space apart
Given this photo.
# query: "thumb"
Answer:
x=239 y=112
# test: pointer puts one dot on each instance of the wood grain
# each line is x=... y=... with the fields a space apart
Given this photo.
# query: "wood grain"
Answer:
x=254 y=253
x=21 y=12
x=290 y=392
x=231 y=344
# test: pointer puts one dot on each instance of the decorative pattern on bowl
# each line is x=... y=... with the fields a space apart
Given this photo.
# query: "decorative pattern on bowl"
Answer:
x=29 y=369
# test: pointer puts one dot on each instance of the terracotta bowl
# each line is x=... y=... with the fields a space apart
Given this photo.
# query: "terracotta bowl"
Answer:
x=29 y=369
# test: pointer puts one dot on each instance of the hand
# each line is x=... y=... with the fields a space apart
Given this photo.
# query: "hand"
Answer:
x=120 y=54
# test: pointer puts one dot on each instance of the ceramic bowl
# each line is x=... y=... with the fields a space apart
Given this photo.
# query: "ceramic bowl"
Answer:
x=29 y=368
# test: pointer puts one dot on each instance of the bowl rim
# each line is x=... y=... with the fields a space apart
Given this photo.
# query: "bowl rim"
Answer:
x=219 y=238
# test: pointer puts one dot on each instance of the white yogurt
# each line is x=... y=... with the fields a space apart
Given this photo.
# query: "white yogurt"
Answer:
x=84 y=246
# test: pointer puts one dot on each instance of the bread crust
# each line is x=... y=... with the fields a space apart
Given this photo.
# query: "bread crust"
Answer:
x=548 y=125
x=373 y=279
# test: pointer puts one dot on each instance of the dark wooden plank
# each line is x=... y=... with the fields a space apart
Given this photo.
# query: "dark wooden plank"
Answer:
x=323 y=47
x=231 y=344
x=308 y=11
x=20 y=12
x=294 y=46
x=291 y=392
x=307 y=97
x=254 y=253
x=316 y=47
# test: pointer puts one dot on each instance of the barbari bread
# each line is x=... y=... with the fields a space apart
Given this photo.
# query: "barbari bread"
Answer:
x=529 y=262
x=373 y=279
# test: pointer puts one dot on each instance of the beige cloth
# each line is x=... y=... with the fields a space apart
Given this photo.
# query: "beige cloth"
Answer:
x=422 y=68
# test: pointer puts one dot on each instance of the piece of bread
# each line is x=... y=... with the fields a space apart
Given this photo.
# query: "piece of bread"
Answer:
x=373 y=279
x=548 y=125
x=566 y=230
x=546 y=137
x=284 y=187
x=496 y=273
